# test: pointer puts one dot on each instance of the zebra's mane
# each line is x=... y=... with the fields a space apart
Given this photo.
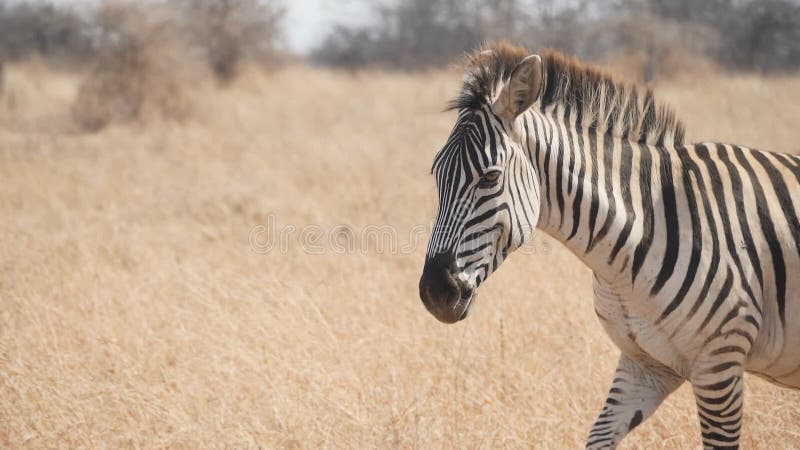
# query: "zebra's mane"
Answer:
x=602 y=102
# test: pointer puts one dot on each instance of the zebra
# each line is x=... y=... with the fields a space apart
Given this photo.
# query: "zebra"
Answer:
x=694 y=248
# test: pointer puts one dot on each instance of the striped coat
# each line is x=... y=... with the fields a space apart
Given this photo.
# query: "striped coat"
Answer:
x=695 y=248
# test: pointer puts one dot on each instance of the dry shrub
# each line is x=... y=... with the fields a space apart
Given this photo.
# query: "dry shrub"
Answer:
x=57 y=32
x=655 y=65
x=230 y=32
x=36 y=96
x=142 y=68
x=649 y=48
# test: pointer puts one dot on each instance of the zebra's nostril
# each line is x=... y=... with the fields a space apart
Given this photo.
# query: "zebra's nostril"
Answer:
x=425 y=294
x=453 y=267
x=466 y=290
x=438 y=287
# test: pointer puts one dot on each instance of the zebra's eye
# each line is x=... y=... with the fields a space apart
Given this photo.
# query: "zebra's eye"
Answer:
x=489 y=179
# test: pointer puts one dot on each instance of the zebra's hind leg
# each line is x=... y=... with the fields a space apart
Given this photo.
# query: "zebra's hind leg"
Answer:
x=719 y=393
x=717 y=377
x=639 y=386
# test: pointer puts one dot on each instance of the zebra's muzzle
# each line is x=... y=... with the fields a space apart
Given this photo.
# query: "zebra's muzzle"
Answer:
x=445 y=296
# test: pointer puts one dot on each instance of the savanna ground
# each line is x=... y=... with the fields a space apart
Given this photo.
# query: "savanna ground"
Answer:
x=134 y=313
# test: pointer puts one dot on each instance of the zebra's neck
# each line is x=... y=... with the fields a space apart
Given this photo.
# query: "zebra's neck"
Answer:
x=590 y=195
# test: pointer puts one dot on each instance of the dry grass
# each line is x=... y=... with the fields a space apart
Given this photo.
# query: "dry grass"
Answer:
x=132 y=313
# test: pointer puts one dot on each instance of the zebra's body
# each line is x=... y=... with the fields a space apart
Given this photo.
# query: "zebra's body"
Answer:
x=695 y=249
x=691 y=277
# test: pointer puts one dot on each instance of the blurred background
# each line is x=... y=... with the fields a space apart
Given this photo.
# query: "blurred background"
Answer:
x=166 y=164
x=131 y=53
x=165 y=43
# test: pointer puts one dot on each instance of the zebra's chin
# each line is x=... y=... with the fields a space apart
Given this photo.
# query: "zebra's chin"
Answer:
x=458 y=311
x=464 y=303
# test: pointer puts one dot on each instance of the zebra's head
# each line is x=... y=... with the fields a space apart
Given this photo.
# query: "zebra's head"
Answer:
x=488 y=192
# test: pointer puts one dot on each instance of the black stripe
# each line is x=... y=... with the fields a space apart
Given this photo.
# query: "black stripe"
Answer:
x=718 y=190
x=520 y=200
x=670 y=223
x=728 y=349
x=577 y=203
x=778 y=264
x=492 y=140
x=608 y=167
x=546 y=168
x=689 y=171
x=571 y=146
x=560 y=153
x=723 y=294
x=594 y=204
x=701 y=151
x=625 y=187
x=648 y=215
x=784 y=197
x=719 y=384
x=741 y=213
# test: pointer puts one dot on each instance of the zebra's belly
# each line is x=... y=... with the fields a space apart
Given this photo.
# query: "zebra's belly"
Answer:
x=634 y=335
x=615 y=322
x=775 y=355
x=790 y=381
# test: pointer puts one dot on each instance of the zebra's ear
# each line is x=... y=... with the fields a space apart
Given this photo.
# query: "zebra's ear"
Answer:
x=522 y=89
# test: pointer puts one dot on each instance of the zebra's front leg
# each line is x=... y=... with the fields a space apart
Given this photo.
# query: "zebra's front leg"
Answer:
x=639 y=386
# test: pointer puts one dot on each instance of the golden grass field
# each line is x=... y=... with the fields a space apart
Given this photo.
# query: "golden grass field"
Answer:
x=133 y=313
